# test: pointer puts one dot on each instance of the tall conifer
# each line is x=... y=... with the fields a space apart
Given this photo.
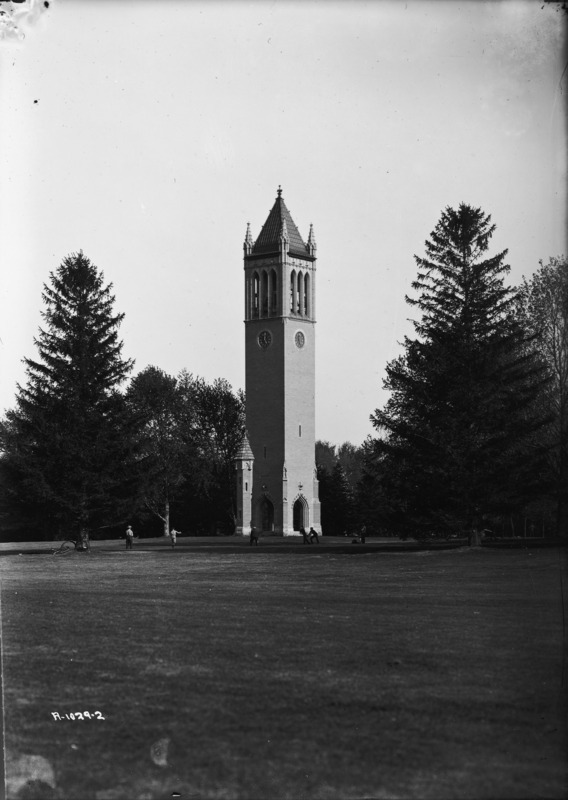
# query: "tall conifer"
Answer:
x=462 y=410
x=66 y=443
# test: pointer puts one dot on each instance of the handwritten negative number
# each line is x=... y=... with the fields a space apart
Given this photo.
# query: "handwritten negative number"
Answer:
x=78 y=715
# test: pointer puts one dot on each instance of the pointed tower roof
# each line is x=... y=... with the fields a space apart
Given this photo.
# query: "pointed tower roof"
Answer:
x=269 y=238
x=244 y=452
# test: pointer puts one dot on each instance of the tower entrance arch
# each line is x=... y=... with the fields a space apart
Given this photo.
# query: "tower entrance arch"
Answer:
x=266 y=515
x=300 y=514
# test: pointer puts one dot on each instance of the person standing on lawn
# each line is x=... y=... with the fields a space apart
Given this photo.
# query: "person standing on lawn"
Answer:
x=129 y=537
x=253 y=537
x=173 y=537
x=85 y=540
x=314 y=535
x=305 y=536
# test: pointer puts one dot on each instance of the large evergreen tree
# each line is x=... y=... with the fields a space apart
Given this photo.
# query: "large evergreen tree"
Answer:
x=66 y=444
x=458 y=448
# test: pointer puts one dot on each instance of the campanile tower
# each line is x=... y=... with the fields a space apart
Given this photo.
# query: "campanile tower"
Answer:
x=280 y=292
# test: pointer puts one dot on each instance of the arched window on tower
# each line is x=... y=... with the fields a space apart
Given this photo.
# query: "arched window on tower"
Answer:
x=255 y=295
x=273 y=294
x=307 y=309
x=264 y=294
x=293 y=292
x=299 y=294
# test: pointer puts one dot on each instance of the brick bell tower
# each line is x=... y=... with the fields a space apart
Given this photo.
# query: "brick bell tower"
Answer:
x=280 y=290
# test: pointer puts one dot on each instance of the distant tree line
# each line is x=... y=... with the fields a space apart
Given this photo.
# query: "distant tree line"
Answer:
x=77 y=451
x=339 y=472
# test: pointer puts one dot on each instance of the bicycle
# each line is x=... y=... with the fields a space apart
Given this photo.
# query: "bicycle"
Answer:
x=70 y=546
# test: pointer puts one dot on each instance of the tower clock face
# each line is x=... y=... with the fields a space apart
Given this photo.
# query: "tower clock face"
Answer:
x=300 y=339
x=264 y=339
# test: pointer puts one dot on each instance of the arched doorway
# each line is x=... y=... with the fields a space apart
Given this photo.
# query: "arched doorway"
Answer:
x=300 y=514
x=267 y=515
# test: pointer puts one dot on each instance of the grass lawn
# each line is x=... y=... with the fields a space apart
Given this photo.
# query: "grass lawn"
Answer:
x=262 y=675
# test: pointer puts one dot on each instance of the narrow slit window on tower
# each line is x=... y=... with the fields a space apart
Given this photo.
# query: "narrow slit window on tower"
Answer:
x=274 y=294
x=299 y=430
x=292 y=292
x=264 y=295
x=255 y=295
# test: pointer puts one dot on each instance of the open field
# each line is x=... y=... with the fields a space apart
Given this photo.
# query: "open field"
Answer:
x=259 y=674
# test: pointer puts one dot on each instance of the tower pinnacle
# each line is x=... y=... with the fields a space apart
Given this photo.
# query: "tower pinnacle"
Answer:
x=248 y=244
x=312 y=247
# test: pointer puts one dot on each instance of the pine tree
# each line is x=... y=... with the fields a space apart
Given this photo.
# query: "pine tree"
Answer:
x=463 y=408
x=66 y=444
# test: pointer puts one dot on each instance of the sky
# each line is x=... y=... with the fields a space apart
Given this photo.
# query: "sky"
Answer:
x=148 y=133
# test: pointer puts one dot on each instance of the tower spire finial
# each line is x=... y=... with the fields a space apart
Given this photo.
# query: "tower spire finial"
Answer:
x=279 y=191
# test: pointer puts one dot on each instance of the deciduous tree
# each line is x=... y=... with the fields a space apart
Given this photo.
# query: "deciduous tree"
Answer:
x=221 y=421
x=160 y=408
x=544 y=306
